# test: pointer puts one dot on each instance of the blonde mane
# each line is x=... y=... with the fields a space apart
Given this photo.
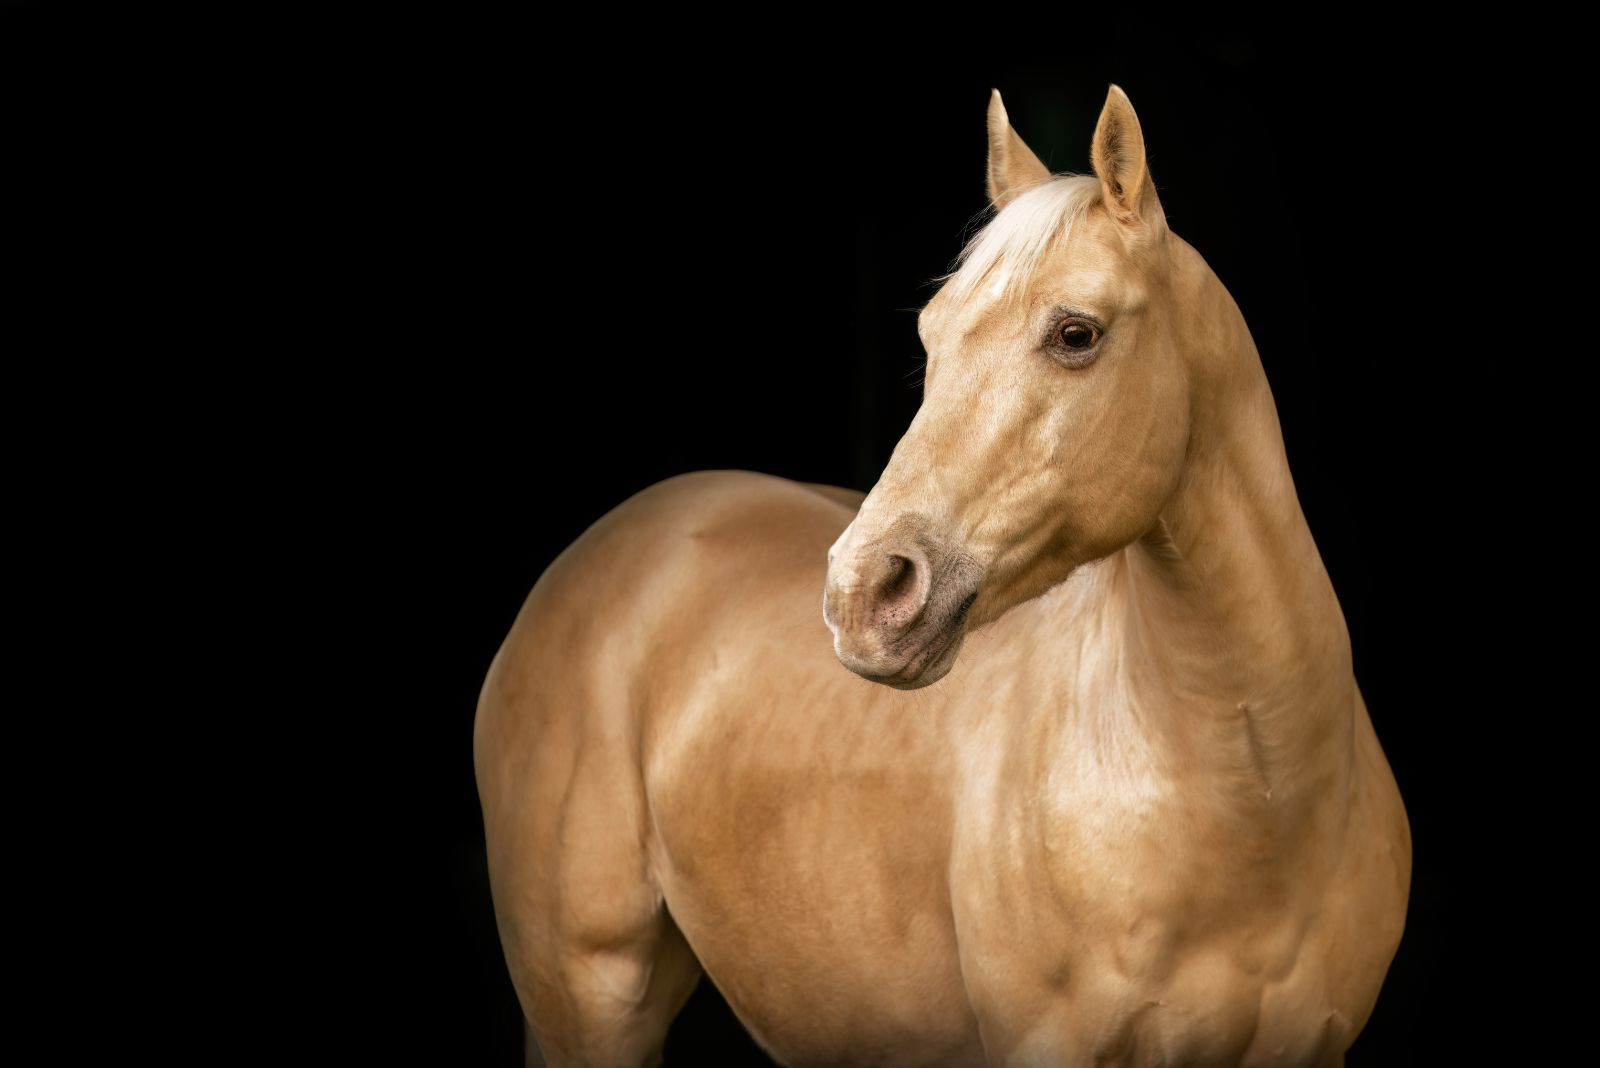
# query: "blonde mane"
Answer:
x=1020 y=234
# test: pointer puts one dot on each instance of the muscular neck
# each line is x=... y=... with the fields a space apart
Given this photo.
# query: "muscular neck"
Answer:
x=1227 y=618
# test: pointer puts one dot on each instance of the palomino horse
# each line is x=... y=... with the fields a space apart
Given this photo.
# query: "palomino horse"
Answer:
x=1143 y=819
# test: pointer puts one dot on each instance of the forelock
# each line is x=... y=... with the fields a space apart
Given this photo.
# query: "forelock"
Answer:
x=1020 y=235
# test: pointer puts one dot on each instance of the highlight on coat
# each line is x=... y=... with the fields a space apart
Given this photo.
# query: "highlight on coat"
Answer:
x=1046 y=751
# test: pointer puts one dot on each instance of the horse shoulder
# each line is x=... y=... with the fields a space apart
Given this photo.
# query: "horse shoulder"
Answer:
x=1367 y=903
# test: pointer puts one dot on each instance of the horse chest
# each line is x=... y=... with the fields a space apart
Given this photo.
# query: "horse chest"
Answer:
x=1124 y=923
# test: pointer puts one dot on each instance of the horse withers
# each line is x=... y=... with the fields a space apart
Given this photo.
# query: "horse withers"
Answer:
x=1098 y=787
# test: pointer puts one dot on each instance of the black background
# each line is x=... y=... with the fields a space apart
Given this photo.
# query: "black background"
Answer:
x=704 y=258
x=464 y=281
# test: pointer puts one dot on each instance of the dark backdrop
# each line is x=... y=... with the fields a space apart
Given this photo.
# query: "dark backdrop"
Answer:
x=565 y=269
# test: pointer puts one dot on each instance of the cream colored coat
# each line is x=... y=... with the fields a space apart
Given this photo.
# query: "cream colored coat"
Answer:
x=1108 y=793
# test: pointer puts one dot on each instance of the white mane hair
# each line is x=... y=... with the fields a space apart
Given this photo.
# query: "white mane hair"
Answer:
x=1020 y=234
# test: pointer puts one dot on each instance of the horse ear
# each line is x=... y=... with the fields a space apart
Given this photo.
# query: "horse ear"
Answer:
x=1012 y=165
x=1118 y=157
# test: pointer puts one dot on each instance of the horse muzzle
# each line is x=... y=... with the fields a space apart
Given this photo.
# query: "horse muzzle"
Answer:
x=897 y=602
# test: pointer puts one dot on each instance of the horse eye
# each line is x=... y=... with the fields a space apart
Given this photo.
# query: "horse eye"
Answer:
x=1079 y=336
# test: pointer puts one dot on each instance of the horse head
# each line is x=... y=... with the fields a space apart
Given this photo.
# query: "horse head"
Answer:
x=1055 y=415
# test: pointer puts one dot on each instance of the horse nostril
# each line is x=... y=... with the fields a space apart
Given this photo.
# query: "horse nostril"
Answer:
x=902 y=572
x=900 y=594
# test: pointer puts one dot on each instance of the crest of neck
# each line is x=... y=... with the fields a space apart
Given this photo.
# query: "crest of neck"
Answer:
x=1226 y=614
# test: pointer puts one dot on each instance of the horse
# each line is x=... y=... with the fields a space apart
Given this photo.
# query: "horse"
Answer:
x=1070 y=768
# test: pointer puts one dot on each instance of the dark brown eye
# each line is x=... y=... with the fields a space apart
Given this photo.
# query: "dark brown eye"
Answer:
x=1078 y=336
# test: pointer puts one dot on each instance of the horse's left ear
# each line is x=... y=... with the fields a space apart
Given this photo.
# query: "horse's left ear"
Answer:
x=1119 y=162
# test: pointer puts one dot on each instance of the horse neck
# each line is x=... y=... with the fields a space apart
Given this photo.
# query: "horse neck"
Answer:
x=1230 y=638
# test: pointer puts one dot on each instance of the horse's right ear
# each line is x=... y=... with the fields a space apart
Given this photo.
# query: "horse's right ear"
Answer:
x=1012 y=165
